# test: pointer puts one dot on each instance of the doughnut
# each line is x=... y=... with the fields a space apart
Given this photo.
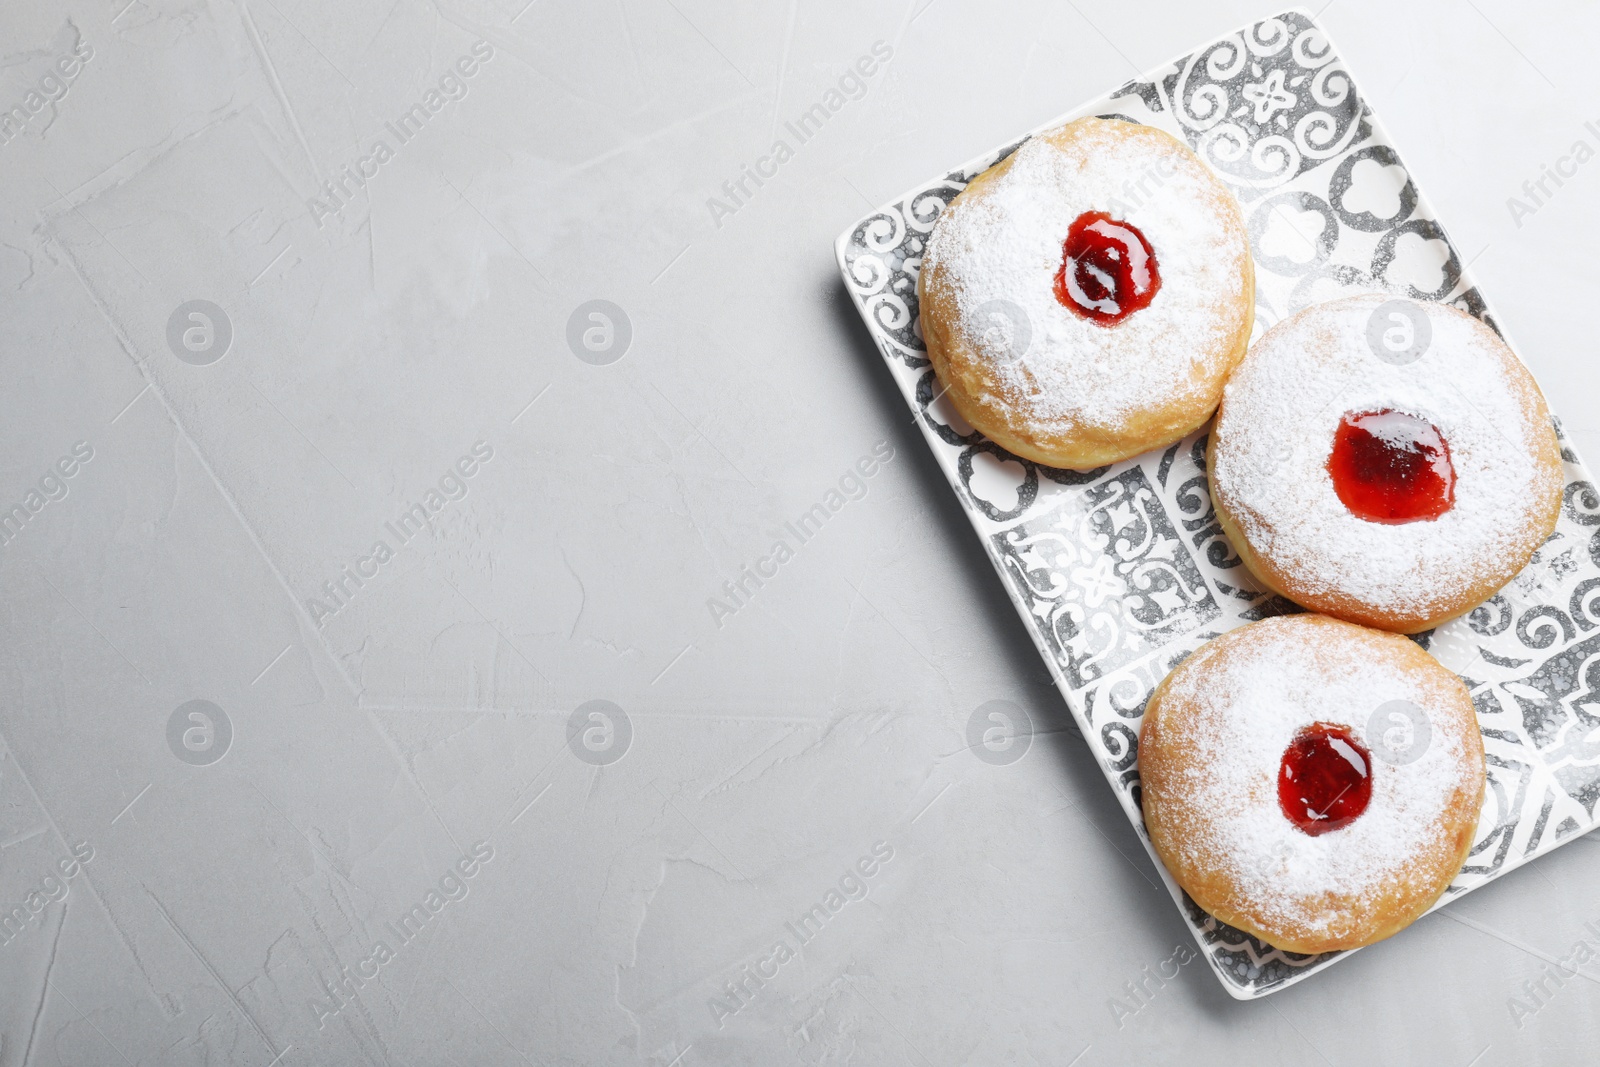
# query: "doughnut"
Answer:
x=1083 y=300
x=1311 y=782
x=1384 y=462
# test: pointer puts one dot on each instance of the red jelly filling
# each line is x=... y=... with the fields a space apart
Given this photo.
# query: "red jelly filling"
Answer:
x=1108 y=270
x=1324 y=781
x=1391 y=467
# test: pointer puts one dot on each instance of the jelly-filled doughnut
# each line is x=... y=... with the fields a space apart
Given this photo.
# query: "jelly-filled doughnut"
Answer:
x=1312 y=782
x=1084 y=299
x=1386 y=462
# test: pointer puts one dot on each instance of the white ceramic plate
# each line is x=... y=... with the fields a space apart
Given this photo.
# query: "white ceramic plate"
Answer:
x=1119 y=573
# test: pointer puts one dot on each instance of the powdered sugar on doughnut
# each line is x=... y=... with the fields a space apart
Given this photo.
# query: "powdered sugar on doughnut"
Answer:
x=1238 y=716
x=1007 y=245
x=1273 y=438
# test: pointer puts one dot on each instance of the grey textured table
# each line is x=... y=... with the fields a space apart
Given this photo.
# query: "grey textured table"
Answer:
x=309 y=417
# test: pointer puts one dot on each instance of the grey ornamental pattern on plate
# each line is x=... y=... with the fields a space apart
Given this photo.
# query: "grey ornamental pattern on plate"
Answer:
x=1121 y=572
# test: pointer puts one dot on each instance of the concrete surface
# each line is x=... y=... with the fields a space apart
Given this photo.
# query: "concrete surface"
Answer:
x=399 y=830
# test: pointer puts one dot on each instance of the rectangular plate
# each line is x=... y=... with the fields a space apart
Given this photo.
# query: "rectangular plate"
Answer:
x=1120 y=573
